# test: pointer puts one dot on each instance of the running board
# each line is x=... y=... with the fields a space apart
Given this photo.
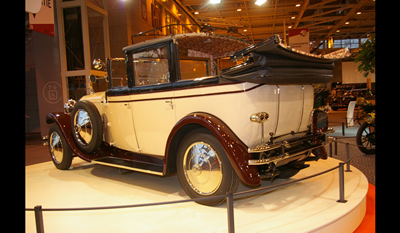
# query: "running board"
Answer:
x=130 y=165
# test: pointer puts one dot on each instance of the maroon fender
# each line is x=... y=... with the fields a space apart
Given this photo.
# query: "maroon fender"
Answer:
x=64 y=122
x=233 y=146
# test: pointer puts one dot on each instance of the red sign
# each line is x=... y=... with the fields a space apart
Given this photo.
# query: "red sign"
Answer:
x=43 y=21
x=299 y=39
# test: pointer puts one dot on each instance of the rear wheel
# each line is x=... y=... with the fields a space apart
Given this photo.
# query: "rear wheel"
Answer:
x=204 y=169
x=60 y=153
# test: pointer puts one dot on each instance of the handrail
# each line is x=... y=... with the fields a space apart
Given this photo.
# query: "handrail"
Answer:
x=39 y=218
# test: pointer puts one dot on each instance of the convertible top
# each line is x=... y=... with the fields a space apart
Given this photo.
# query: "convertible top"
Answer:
x=272 y=62
x=268 y=62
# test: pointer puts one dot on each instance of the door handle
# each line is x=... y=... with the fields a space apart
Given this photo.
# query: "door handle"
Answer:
x=170 y=102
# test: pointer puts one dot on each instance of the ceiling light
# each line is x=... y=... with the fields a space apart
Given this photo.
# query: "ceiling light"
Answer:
x=239 y=9
x=293 y=17
x=347 y=22
x=245 y=30
x=359 y=13
x=215 y=1
x=260 y=2
x=289 y=27
x=196 y=12
x=298 y=5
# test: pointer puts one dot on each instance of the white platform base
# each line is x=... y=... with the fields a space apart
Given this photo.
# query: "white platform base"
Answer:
x=308 y=206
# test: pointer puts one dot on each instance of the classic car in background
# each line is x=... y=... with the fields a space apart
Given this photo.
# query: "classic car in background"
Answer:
x=213 y=109
x=342 y=97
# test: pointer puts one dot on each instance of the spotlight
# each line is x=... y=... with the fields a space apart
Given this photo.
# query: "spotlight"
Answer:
x=215 y=1
x=260 y=2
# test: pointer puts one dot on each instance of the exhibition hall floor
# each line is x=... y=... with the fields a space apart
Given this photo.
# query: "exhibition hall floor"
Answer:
x=306 y=206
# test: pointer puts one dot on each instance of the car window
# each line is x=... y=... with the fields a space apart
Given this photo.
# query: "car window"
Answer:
x=151 y=67
x=191 y=69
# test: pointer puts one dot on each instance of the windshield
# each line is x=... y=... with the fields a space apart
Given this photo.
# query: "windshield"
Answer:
x=116 y=75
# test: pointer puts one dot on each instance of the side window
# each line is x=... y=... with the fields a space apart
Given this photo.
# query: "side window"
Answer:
x=193 y=68
x=151 y=67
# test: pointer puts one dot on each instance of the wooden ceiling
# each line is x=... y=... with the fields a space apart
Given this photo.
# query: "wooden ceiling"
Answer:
x=340 y=19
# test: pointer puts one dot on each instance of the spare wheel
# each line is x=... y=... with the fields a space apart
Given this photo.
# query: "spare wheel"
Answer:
x=87 y=129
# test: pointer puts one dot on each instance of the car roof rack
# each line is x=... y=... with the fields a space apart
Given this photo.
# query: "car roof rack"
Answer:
x=156 y=32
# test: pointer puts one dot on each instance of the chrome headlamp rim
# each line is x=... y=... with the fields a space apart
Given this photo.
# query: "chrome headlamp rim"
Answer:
x=259 y=117
x=69 y=106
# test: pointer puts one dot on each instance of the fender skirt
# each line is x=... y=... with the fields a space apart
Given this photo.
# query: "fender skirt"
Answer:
x=64 y=123
x=235 y=149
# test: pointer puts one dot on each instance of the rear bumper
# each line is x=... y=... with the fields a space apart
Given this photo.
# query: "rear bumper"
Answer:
x=290 y=150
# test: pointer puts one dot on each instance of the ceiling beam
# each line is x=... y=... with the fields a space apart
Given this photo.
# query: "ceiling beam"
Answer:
x=303 y=8
x=341 y=22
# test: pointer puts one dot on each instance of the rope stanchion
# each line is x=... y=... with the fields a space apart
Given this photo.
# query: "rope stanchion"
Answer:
x=230 y=196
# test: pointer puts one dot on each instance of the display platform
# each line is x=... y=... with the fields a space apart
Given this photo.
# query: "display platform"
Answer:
x=307 y=206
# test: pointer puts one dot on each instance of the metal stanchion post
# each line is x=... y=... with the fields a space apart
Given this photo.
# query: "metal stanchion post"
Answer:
x=343 y=129
x=335 y=147
x=330 y=149
x=39 y=219
x=348 y=157
x=231 y=220
x=341 y=184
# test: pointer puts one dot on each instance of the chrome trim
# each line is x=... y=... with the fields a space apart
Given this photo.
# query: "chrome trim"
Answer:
x=126 y=167
x=56 y=147
x=267 y=147
x=286 y=156
x=45 y=140
x=69 y=106
x=202 y=167
x=259 y=117
x=278 y=90
x=83 y=127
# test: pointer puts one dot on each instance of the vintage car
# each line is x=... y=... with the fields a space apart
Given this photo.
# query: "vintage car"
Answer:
x=214 y=109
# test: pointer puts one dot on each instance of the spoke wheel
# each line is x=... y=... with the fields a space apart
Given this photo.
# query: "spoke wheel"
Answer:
x=366 y=138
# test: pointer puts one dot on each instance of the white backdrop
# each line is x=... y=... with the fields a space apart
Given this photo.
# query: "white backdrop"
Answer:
x=351 y=75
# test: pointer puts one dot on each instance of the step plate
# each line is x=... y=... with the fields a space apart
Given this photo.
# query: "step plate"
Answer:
x=130 y=165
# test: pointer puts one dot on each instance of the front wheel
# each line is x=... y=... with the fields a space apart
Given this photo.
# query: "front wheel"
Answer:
x=60 y=153
x=204 y=169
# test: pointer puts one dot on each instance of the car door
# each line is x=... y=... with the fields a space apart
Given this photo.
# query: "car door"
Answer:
x=118 y=124
x=152 y=102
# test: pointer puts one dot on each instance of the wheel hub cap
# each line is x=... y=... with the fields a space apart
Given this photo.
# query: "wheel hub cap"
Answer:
x=56 y=148
x=202 y=168
x=83 y=127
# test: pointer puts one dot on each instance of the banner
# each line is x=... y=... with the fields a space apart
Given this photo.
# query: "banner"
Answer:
x=299 y=39
x=156 y=16
x=144 y=9
x=43 y=21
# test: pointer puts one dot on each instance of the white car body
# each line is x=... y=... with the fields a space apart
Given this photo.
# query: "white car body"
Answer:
x=142 y=122
x=181 y=112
